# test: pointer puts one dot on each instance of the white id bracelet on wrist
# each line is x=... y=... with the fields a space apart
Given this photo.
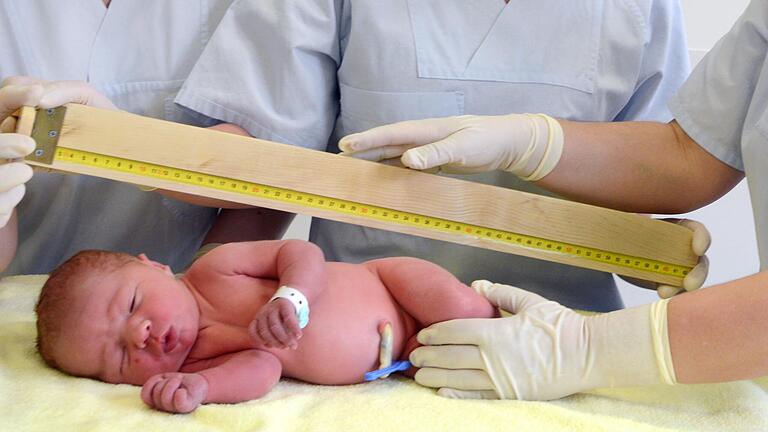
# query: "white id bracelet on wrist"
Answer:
x=298 y=300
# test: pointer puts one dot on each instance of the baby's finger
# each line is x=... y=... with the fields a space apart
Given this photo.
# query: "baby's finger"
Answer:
x=148 y=387
x=291 y=321
x=166 y=396
x=157 y=391
x=264 y=334
x=253 y=329
x=182 y=402
x=276 y=328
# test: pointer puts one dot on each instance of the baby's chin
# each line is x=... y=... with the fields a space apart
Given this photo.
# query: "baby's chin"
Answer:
x=144 y=377
x=170 y=364
x=186 y=343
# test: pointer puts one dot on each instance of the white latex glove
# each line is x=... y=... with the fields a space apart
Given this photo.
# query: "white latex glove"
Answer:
x=528 y=145
x=13 y=174
x=696 y=277
x=544 y=351
x=19 y=91
x=57 y=93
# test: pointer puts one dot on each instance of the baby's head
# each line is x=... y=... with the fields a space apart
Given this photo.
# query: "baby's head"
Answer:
x=115 y=317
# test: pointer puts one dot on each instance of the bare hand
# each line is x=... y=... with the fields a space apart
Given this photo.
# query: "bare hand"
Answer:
x=276 y=325
x=175 y=392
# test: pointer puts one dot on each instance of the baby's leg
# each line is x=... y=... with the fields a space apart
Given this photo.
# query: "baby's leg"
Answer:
x=429 y=293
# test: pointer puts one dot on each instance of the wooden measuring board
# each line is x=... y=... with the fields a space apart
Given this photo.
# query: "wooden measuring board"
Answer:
x=131 y=148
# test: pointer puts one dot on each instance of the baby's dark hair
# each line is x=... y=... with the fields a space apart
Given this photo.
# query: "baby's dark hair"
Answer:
x=56 y=294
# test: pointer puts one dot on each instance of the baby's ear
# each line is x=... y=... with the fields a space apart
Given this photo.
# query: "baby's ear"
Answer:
x=143 y=258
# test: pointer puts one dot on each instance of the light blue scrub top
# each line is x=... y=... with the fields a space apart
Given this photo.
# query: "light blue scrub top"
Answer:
x=724 y=107
x=308 y=72
x=137 y=52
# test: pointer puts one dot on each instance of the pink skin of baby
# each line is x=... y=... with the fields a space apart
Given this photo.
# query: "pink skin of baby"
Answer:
x=212 y=336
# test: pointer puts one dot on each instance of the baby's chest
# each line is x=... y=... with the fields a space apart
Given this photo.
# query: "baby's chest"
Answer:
x=220 y=339
x=228 y=306
x=234 y=300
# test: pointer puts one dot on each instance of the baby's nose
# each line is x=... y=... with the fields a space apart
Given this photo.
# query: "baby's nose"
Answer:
x=141 y=333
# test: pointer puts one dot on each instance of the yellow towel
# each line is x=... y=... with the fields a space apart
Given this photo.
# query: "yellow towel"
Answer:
x=33 y=397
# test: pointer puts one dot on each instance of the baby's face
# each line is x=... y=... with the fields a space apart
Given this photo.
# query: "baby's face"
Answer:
x=128 y=325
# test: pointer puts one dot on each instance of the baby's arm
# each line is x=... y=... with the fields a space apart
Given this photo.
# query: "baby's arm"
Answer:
x=230 y=378
x=294 y=263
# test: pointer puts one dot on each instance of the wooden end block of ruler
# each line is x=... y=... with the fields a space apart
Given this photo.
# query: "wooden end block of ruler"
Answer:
x=187 y=159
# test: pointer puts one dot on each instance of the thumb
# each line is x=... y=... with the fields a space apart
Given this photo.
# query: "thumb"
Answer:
x=428 y=156
x=409 y=132
x=59 y=93
x=253 y=331
x=667 y=291
x=13 y=97
x=696 y=277
x=467 y=394
x=507 y=297
x=701 y=237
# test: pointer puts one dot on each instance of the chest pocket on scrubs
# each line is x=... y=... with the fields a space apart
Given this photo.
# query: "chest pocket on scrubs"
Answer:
x=519 y=42
x=364 y=109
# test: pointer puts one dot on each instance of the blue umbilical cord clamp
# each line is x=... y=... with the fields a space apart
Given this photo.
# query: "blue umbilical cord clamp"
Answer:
x=397 y=366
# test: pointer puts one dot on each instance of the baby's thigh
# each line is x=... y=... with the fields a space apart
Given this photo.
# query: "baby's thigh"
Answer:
x=428 y=292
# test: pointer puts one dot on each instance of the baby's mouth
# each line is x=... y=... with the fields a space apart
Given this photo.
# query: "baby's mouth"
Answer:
x=170 y=340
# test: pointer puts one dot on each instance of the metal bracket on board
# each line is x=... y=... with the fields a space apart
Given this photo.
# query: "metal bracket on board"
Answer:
x=45 y=132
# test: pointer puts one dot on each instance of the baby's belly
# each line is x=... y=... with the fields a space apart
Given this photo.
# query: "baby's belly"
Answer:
x=341 y=342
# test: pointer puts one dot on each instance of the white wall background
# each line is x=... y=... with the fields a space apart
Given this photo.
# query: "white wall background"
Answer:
x=734 y=252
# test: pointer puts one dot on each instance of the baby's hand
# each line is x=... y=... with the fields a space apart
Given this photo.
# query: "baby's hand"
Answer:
x=276 y=325
x=175 y=392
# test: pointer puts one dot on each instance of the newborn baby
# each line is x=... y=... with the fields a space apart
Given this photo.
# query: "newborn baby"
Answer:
x=224 y=333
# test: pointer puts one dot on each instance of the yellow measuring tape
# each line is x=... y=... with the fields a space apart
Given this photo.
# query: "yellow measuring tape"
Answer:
x=361 y=210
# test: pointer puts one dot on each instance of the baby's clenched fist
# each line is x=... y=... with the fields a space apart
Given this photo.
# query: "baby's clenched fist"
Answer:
x=175 y=392
x=276 y=325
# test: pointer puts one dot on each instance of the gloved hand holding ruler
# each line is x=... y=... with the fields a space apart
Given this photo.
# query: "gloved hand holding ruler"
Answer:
x=131 y=148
